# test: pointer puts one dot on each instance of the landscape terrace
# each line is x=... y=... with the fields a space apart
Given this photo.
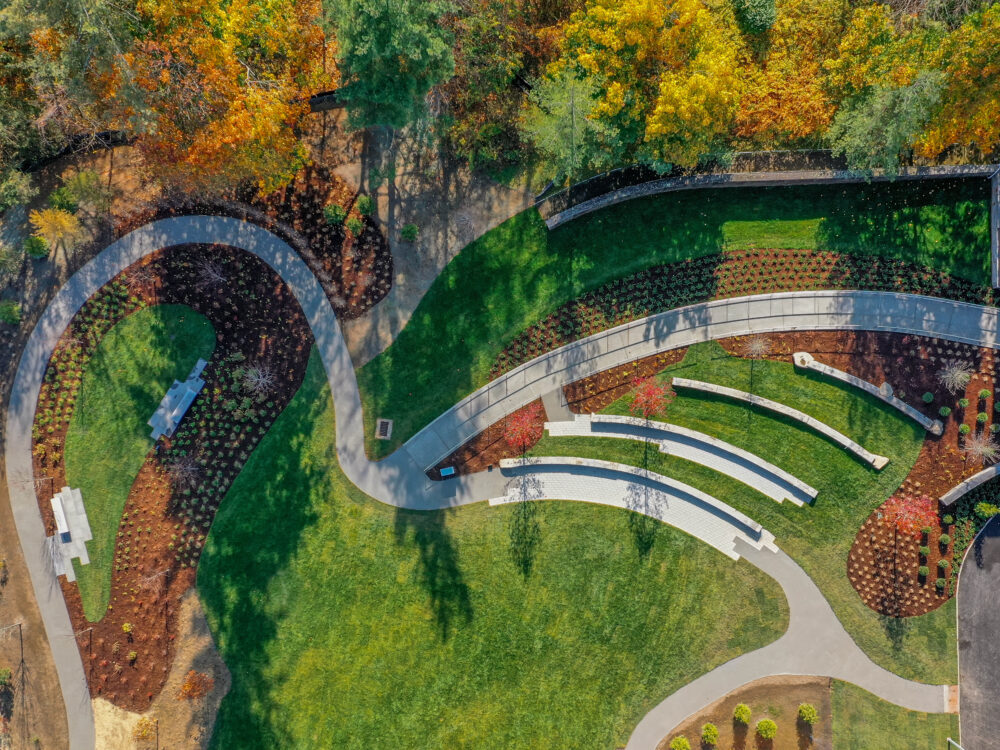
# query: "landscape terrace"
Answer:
x=499 y=374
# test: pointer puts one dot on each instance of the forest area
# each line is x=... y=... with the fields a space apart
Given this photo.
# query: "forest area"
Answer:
x=214 y=93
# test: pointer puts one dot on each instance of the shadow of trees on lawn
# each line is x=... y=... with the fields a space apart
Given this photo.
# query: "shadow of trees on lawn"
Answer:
x=439 y=571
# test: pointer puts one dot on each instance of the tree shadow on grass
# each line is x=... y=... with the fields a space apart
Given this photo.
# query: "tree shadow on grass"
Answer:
x=256 y=533
x=524 y=529
x=439 y=571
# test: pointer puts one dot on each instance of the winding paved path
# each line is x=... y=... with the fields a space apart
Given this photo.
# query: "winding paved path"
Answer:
x=400 y=481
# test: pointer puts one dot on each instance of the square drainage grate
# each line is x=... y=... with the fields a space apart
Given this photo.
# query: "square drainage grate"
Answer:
x=383 y=429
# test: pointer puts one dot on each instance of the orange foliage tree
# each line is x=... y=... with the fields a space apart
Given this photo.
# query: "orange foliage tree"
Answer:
x=970 y=103
x=221 y=88
x=785 y=100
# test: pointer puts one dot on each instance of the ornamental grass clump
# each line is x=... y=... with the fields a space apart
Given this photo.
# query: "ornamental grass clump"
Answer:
x=955 y=375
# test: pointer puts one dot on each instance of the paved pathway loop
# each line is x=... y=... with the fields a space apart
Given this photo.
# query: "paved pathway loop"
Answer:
x=399 y=480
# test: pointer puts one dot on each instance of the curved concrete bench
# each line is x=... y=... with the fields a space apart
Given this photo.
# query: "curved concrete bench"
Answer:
x=618 y=485
x=691 y=445
x=805 y=361
x=878 y=462
x=951 y=496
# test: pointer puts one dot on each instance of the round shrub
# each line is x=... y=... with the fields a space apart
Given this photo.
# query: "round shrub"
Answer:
x=948 y=519
x=742 y=713
x=365 y=205
x=944 y=540
x=939 y=584
x=984 y=394
x=354 y=226
x=755 y=16
x=710 y=734
x=808 y=713
x=981 y=417
x=943 y=565
x=926 y=530
x=62 y=198
x=923 y=571
x=963 y=402
x=680 y=743
x=944 y=411
x=36 y=247
x=964 y=429
x=767 y=729
x=928 y=397
x=924 y=551
x=986 y=510
x=334 y=214
x=409 y=233
x=10 y=312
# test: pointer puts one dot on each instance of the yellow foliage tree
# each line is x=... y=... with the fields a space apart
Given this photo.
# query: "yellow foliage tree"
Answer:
x=56 y=227
x=785 y=99
x=970 y=103
x=668 y=72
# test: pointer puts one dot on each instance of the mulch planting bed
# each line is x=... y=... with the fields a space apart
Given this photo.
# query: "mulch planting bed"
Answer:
x=774 y=698
x=355 y=272
x=883 y=564
x=591 y=394
x=263 y=343
x=729 y=274
x=485 y=450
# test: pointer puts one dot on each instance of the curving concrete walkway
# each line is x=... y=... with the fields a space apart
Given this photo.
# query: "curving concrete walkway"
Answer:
x=814 y=644
x=667 y=500
x=400 y=481
x=691 y=445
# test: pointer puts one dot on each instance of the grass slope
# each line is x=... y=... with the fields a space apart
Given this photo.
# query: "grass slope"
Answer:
x=347 y=623
x=861 y=720
x=108 y=437
x=519 y=272
x=818 y=537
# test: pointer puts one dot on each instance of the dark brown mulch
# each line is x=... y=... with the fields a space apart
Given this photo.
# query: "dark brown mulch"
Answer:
x=591 y=394
x=169 y=512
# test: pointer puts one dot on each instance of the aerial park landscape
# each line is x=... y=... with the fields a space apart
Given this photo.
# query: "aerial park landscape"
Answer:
x=499 y=374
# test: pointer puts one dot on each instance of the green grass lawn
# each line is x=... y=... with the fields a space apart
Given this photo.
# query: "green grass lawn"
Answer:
x=108 y=438
x=519 y=272
x=861 y=720
x=817 y=536
x=347 y=623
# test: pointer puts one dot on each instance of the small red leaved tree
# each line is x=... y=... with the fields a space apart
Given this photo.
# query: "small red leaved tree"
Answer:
x=524 y=427
x=909 y=515
x=650 y=397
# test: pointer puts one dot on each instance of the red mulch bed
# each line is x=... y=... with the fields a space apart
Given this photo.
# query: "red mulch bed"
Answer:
x=355 y=272
x=173 y=499
x=485 y=450
x=591 y=394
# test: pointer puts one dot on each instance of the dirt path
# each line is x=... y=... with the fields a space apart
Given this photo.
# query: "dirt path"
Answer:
x=450 y=205
x=38 y=702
